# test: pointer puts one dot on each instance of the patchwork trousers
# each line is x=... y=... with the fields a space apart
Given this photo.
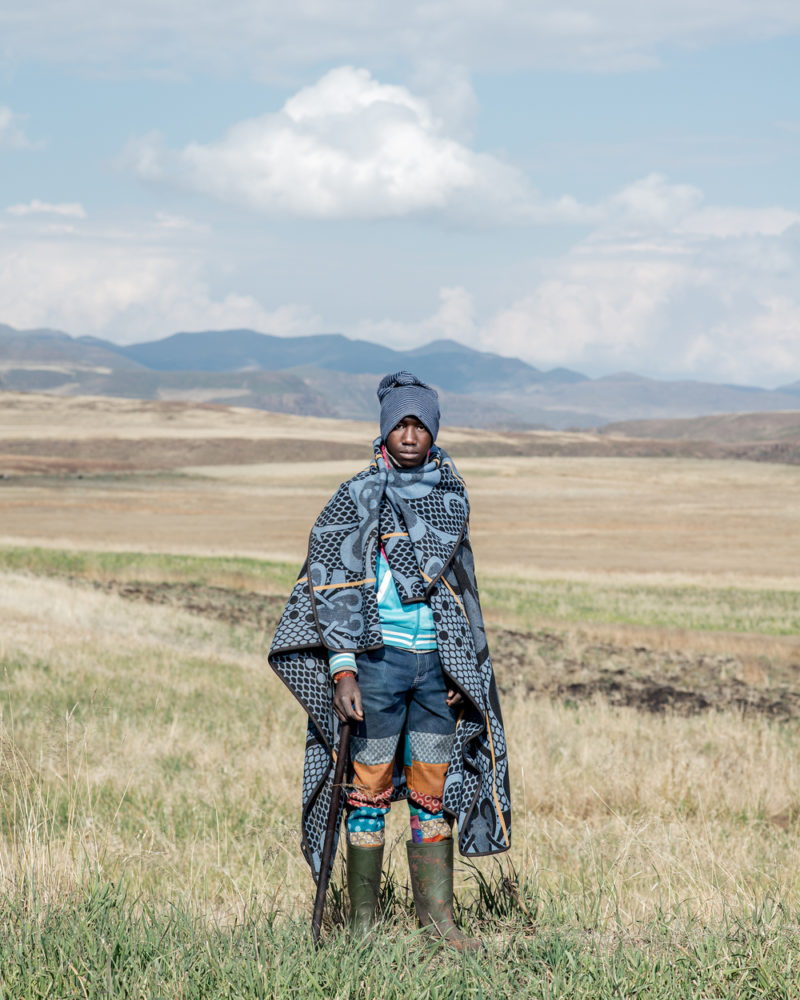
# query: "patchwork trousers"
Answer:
x=404 y=694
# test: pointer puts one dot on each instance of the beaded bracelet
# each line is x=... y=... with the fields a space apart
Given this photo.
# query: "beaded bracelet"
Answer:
x=341 y=674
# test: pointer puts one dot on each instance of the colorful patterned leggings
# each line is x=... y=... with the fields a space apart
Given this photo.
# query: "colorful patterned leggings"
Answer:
x=402 y=692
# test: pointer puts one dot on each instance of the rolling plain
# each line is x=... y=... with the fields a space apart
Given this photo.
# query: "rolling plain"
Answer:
x=644 y=613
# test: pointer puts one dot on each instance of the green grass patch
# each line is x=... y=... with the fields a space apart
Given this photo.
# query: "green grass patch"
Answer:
x=526 y=603
x=728 y=609
x=102 y=942
x=209 y=570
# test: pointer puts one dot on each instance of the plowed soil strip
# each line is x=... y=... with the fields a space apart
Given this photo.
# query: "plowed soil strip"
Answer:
x=561 y=667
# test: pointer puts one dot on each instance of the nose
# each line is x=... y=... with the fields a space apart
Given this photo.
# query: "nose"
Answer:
x=410 y=434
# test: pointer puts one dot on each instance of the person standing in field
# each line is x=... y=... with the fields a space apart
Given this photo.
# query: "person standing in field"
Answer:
x=383 y=630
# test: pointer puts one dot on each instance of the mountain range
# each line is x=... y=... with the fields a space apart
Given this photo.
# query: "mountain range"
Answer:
x=332 y=375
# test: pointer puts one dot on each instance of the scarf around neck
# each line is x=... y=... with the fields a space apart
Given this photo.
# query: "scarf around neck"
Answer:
x=418 y=515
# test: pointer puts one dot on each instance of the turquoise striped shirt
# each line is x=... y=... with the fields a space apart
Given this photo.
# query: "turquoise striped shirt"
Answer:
x=405 y=626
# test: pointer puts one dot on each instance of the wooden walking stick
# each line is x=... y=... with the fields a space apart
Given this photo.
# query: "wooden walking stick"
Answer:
x=327 y=849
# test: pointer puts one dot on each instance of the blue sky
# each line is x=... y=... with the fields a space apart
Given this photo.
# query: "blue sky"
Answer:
x=606 y=186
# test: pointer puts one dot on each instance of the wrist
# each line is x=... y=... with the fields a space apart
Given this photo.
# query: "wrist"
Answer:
x=339 y=662
x=341 y=674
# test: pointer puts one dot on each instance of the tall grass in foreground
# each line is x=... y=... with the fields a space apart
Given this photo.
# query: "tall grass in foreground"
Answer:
x=103 y=942
x=149 y=797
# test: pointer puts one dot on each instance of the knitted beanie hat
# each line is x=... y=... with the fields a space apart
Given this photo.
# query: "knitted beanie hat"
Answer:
x=404 y=395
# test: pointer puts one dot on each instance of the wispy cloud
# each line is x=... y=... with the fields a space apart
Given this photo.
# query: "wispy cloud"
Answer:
x=12 y=131
x=68 y=209
x=179 y=223
x=126 y=287
x=266 y=37
x=453 y=319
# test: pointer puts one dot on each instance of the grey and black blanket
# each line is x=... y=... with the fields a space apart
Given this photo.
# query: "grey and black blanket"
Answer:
x=421 y=518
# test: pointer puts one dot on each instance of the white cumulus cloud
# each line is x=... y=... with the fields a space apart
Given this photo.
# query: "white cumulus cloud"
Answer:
x=695 y=306
x=594 y=309
x=351 y=147
x=347 y=147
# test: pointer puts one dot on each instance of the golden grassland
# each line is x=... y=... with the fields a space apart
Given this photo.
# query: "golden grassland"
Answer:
x=724 y=522
x=146 y=740
x=563 y=517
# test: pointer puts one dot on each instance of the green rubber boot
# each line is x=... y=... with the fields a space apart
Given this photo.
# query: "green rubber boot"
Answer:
x=431 y=868
x=363 y=884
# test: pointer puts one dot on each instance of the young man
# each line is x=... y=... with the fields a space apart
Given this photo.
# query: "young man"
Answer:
x=383 y=629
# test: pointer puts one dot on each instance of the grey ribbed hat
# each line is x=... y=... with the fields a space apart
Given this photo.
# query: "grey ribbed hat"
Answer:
x=404 y=395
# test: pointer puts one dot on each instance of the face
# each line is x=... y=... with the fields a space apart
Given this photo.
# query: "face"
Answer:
x=409 y=442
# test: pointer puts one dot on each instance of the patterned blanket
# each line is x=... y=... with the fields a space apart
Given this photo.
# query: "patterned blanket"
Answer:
x=421 y=518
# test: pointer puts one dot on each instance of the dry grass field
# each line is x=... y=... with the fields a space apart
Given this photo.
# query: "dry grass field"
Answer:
x=566 y=517
x=643 y=615
x=151 y=740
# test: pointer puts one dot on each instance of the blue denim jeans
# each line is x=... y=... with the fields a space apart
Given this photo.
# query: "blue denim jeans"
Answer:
x=403 y=693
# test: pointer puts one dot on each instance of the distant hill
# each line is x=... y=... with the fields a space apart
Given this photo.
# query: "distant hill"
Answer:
x=53 y=347
x=447 y=363
x=726 y=428
x=645 y=398
x=332 y=375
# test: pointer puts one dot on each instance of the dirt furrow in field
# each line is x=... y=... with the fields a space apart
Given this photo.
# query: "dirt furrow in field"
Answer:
x=563 y=666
